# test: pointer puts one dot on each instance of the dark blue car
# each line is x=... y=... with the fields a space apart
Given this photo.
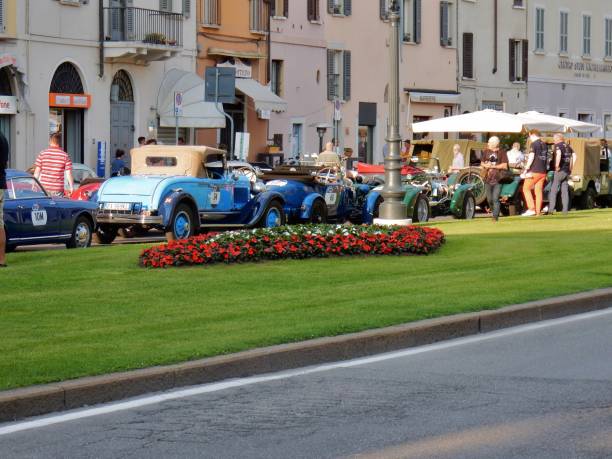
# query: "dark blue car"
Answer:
x=31 y=216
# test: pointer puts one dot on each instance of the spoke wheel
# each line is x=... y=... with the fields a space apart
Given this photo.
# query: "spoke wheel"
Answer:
x=421 y=210
x=478 y=187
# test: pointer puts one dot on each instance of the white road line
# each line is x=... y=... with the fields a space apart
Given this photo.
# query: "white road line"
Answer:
x=114 y=407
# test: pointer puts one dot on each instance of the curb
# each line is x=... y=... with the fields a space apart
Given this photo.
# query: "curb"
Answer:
x=37 y=400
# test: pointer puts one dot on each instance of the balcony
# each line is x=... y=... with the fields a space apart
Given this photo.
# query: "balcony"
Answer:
x=139 y=35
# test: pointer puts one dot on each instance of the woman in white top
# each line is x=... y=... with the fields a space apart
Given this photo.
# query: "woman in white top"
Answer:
x=458 y=160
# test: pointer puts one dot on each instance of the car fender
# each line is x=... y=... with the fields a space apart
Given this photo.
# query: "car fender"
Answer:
x=260 y=202
x=456 y=205
x=169 y=203
x=410 y=197
x=309 y=200
x=370 y=206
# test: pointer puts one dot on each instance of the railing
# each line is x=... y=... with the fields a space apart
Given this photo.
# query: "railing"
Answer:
x=143 y=25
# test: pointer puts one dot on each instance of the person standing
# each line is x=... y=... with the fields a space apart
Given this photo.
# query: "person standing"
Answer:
x=563 y=161
x=118 y=163
x=52 y=165
x=4 y=154
x=494 y=160
x=535 y=174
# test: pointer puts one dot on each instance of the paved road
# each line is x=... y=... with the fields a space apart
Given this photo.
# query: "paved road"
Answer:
x=541 y=391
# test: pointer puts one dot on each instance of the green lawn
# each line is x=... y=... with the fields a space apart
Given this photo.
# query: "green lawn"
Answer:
x=65 y=314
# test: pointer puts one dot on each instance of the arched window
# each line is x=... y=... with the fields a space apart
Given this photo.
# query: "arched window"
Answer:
x=5 y=83
x=67 y=80
x=121 y=89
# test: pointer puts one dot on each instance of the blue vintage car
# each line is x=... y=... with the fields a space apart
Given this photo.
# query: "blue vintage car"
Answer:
x=31 y=216
x=317 y=195
x=172 y=189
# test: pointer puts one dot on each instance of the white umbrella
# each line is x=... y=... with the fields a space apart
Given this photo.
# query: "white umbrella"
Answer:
x=568 y=123
x=485 y=121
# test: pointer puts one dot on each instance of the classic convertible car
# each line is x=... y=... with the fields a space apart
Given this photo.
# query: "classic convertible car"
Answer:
x=172 y=189
x=31 y=216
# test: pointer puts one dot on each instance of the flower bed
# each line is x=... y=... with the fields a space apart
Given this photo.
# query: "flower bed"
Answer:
x=299 y=241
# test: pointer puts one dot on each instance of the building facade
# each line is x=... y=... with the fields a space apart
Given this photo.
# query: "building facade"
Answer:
x=298 y=75
x=493 y=51
x=570 y=60
x=90 y=70
x=234 y=33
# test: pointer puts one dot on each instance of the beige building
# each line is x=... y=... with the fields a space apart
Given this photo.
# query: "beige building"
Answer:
x=570 y=59
x=493 y=49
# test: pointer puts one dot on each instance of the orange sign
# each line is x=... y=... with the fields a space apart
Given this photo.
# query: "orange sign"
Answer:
x=69 y=100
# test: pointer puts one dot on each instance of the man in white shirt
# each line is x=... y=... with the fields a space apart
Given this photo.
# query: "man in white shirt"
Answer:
x=516 y=158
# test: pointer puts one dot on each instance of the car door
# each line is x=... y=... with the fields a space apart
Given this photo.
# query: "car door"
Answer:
x=39 y=215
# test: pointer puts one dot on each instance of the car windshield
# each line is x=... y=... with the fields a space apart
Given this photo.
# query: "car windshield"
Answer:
x=79 y=174
x=161 y=161
x=25 y=188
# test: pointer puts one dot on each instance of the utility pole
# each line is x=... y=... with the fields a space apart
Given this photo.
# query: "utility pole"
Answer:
x=393 y=210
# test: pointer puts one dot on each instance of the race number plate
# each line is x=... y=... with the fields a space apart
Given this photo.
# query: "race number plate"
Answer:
x=330 y=198
x=39 y=217
x=117 y=206
x=215 y=197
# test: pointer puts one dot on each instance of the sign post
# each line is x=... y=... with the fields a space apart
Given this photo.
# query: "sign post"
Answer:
x=178 y=111
x=220 y=88
x=101 y=159
x=242 y=145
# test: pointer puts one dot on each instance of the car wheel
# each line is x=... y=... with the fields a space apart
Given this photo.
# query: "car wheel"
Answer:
x=81 y=234
x=469 y=207
x=273 y=216
x=470 y=177
x=319 y=212
x=587 y=201
x=421 y=209
x=182 y=224
x=105 y=234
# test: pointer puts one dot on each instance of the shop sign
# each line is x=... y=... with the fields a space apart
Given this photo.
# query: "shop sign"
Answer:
x=69 y=100
x=8 y=105
x=242 y=70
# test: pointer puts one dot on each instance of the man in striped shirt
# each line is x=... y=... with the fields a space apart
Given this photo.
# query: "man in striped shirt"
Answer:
x=52 y=165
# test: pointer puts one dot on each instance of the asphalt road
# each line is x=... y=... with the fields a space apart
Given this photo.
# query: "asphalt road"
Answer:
x=539 y=391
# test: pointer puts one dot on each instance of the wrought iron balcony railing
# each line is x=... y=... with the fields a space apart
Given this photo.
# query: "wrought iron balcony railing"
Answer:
x=143 y=25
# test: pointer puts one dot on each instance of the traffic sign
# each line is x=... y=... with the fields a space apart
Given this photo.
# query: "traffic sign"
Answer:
x=178 y=104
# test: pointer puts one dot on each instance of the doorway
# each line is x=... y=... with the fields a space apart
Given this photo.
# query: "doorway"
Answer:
x=122 y=115
x=236 y=111
x=365 y=149
x=296 y=140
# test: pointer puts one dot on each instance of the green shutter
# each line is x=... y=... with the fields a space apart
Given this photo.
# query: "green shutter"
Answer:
x=331 y=89
x=346 y=86
x=348 y=7
x=186 y=8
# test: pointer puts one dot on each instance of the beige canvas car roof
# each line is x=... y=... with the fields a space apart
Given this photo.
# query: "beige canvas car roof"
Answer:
x=443 y=149
x=587 y=154
x=190 y=159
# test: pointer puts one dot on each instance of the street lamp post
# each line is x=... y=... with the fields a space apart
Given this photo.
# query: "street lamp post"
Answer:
x=393 y=210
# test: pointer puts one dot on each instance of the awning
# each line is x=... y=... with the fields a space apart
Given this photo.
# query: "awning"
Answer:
x=264 y=98
x=234 y=53
x=450 y=98
x=196 y=112
x=570 y=125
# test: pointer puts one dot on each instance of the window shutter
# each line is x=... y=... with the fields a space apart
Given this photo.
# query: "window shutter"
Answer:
x=331 y=91
x=417 y=21
x=444 y=24
x=129 y=20
x=525 y=59
x=330 y=6
x=311 y=13
x=348 y=7
x=165 y=5
x=286 y=8
x=2 y=25
x=273 y=8
x=468 y=55
x=347 y=76
x=384 y=11
x=512 y=61
x=186 y=8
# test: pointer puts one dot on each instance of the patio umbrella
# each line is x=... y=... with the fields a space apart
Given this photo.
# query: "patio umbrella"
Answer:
x=485 y=121
x=569 y=125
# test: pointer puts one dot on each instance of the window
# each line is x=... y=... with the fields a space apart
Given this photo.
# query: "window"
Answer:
x=210 y=12
x=539 y=29
x=607 y=123
x=276 y=79
x=468 y=55
x=384 y=9
x=314 y=13
x=563 y=31
x=343 y=7
x=412 y=21
x=186 y=8
x=518 y=60
x=518 y=4
x=446 y=24
x=165 y=5
x=492 y=105
x=586 y=35
x=338 y=74
x=280 y=8
x=2 y=14
x=259 y=16
x=608 y=37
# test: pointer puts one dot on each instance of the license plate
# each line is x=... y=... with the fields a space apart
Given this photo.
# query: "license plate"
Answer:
x=215 y=197
x=117 y=206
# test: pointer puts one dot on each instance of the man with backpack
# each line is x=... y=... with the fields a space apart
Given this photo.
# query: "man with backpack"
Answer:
x=562 y=164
